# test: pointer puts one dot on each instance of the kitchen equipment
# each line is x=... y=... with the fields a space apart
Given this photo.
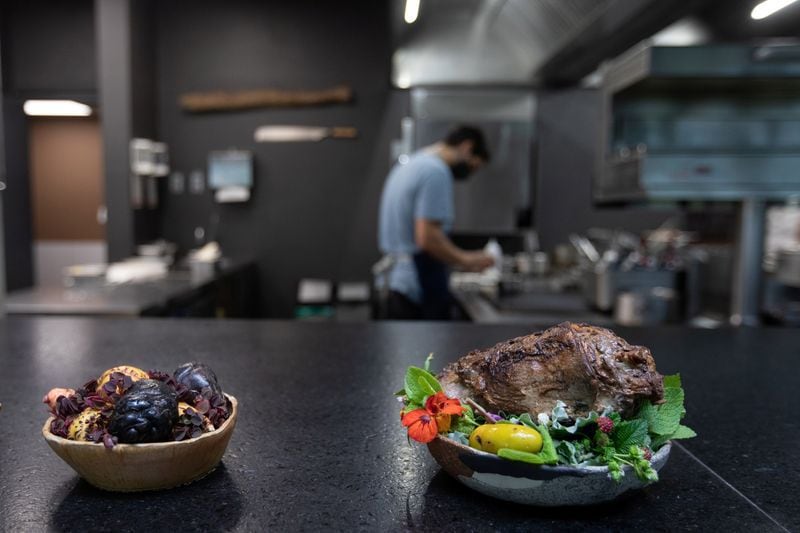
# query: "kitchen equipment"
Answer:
x=136 y=269
x=657 y=305
x=540 y=263
x=629 y=309
x=603 y=284
x=84 y=275
x=787 y=270
x=715 y=122
x=272 y=134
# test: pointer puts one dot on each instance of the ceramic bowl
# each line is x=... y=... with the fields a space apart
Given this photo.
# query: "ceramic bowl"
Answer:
x=150 y=466
x=534 y=484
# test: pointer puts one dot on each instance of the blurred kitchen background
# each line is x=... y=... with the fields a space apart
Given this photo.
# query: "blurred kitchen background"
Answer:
x=645 y=170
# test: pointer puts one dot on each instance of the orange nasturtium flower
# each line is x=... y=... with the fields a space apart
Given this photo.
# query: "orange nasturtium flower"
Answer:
x=421 y=425
x=440 y=404
x=424 y=424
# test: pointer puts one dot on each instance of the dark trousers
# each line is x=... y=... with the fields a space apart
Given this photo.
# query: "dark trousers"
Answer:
x=400 y=307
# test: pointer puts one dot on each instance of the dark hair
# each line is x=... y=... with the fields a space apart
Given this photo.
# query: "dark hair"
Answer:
x=462 y=133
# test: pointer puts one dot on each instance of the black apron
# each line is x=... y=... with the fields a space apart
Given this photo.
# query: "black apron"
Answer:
x=434 y=278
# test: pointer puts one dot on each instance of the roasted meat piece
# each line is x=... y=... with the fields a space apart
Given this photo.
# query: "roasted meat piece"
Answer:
x=586 y=367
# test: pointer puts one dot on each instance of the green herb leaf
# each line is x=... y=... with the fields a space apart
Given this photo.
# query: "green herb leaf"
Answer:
x=427 y=364
x=562 y=430
x=419 y=383
x=567 y=452
x=526 y=420
x=630 y=433
x=466 y=422
x=547 y=455
x=459 y=437
x=524 y=457
x=665 y=418
x=425 y=386
x=673 y=381
x=411 y=406
x=663 y=421
x=548 y=452
x=683 y=432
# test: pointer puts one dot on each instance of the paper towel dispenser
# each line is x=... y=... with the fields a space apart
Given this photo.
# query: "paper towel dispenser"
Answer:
x=230 y=175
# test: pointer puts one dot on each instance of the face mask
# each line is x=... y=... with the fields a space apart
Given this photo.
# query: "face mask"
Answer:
x=461 y=170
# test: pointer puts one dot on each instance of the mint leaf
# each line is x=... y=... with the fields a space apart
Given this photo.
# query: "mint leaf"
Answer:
x=673 y=381
x=664 y=419
x=683 y=432
x=419 y=383
x=630 y=433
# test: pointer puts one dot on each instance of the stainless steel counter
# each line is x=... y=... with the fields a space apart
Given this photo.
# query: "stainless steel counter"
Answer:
x=528 y=308
x=126 y=299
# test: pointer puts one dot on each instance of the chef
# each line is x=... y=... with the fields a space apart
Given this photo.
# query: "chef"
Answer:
x=416 y=212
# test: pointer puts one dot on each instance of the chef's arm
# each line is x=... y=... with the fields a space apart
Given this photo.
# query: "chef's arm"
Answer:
x=430 y=238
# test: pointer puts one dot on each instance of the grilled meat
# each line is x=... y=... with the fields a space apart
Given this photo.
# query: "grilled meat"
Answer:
x=586 y=367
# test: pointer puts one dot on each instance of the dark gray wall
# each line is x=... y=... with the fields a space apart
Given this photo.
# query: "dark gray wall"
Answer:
x=48 y=47
x=47 y=51
x=126 y=68
x=313 y=208
x=568 y=126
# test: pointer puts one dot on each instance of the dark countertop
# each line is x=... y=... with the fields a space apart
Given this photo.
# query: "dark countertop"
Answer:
x=318 y=445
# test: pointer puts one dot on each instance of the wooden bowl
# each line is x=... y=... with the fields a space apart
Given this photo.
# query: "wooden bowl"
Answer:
x=150 y=466
x=541 y=485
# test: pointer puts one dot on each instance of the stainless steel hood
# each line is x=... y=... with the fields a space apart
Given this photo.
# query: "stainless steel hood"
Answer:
x=520 y=42
x=714 y=122
x=485 y=41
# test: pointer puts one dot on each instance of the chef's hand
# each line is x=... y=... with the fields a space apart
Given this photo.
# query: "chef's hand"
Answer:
x=477 y=261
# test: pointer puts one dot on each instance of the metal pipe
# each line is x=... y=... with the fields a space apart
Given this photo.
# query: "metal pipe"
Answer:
x=747 y=267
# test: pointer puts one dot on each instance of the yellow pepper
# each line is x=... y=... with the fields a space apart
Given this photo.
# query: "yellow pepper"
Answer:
x=492 y=437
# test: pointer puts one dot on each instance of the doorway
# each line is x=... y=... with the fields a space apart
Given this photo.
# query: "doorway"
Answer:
x=66 y=166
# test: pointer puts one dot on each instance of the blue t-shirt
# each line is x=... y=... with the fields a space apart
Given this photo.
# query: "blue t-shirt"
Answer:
x=422 y=188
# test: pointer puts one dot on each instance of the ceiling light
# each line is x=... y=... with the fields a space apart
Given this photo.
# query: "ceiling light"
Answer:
x=768 y=7
x=412 y=10
x=56 y=108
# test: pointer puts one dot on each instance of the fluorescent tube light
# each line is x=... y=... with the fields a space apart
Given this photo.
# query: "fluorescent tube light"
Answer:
x=56 y=108
x=412 y=10
x=767 y=8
